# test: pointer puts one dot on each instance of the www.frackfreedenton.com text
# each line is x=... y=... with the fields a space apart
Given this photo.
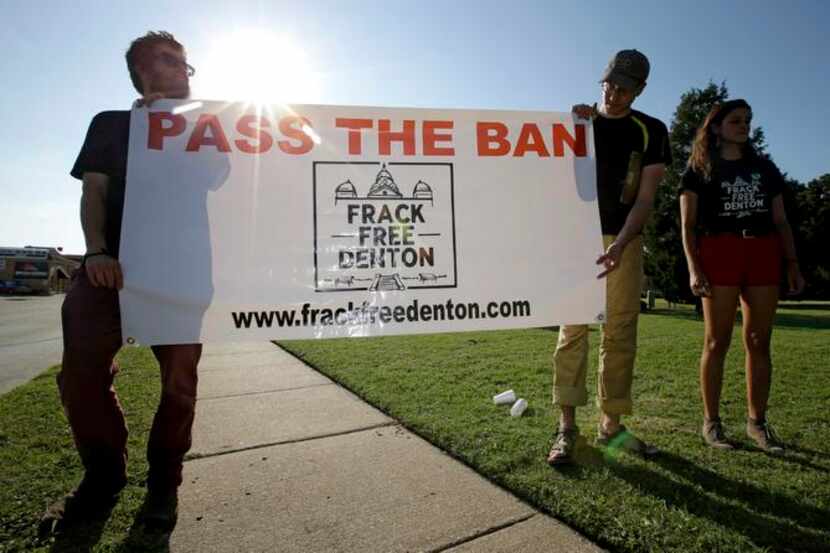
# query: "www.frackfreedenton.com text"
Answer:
x=366 y=314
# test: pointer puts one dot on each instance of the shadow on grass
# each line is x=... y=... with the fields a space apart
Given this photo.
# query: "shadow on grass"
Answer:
x=591 y=328
x=680 y=314
x=141 y=541
x=788 y=320
x=795 y=456
x=802 y=321
x=762 y=500
x=757 y=517
x=811 y=452
x=808 y=306
x=81 y=537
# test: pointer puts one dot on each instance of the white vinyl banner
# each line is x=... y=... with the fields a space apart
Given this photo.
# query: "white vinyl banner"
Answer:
x=245 y=222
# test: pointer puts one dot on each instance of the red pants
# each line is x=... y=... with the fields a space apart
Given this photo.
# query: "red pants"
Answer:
x=91 y=338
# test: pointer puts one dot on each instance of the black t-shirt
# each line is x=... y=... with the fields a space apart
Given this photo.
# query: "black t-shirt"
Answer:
x=623 y=147
x=105 y=151
x=738 y=196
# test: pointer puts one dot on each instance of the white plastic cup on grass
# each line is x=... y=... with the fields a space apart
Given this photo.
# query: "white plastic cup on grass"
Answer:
x=518 y=408
x=505 y=398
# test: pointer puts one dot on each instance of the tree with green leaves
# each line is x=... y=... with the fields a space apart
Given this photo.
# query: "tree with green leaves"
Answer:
x=811 y=214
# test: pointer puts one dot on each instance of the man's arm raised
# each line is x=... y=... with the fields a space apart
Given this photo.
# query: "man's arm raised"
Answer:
x=101 y=268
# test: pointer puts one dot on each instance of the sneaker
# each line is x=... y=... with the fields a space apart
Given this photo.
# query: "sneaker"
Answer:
x=713 y=434
x=764 y=436
x=623 y=440
x=160 y=510
x=84 y=504
x=564 y=445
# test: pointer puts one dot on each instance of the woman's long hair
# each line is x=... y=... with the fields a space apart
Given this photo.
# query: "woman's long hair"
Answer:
x=705 y=147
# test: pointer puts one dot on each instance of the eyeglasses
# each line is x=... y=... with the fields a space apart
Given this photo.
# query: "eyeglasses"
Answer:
x=172 y=61
x=612 y=88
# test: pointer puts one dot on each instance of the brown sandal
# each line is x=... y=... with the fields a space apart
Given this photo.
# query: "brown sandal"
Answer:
x=564 y=445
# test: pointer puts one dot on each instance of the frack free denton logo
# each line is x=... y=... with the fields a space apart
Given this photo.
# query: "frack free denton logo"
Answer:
x=383 y=226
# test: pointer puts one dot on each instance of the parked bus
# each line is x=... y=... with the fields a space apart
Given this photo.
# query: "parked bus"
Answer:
x=35 y=270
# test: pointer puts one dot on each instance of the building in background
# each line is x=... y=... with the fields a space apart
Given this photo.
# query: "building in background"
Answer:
x=36 y=270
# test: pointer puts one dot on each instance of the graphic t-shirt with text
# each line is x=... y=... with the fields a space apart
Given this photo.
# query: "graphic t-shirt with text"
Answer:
x=738 y=196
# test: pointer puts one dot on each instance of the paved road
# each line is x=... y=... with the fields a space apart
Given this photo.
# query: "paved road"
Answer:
x=30 y=337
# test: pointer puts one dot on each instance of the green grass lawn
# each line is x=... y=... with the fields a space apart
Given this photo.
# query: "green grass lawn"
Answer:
x=38 y=462
x=691 y=499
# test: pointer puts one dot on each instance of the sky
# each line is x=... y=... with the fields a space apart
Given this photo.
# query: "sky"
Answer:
x=63 y=62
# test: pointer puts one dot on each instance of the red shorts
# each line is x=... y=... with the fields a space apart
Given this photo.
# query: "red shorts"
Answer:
x=732 y=260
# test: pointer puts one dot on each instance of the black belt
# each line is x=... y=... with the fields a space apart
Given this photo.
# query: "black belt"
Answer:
x=743 y=233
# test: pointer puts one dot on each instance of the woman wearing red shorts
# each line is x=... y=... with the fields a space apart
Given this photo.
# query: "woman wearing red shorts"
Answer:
x=735 y=234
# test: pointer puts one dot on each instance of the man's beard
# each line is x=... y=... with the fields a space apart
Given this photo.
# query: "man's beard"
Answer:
x=176 y=91
x=180 y=94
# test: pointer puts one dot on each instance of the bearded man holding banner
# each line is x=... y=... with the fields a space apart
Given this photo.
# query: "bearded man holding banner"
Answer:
x=632 y=151
x=92 y=322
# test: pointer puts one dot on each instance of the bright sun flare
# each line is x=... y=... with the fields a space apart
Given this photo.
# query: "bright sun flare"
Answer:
x=259 y=67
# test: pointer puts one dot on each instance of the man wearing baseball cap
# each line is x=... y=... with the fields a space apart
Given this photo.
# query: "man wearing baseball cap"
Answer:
x=632 y=151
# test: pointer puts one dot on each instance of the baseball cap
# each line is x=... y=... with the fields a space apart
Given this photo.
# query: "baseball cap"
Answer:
x=628 y=68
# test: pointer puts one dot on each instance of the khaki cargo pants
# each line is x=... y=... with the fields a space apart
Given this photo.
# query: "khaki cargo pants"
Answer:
x=618 y=345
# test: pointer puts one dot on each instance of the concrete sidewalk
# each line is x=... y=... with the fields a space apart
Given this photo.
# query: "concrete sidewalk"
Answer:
x=284 y=459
